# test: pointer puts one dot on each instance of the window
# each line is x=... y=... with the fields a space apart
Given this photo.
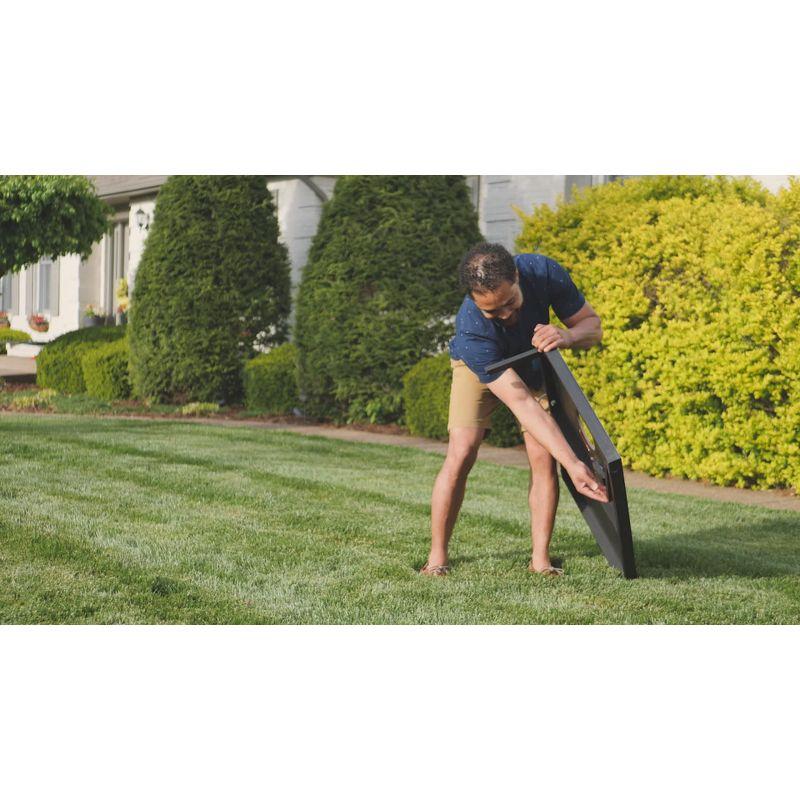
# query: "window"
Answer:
x=42 y=286
x=6 y=300
x=116 y=245
x=42 y=281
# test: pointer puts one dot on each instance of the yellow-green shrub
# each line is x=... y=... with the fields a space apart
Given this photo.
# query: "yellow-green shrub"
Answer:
x=697 y=282
x=199 y=409
x=12 y=336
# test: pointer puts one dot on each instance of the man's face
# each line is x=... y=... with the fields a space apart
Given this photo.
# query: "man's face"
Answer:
x=503 y=303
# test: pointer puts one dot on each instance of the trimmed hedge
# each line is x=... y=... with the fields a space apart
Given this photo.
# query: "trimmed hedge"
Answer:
x=426 y=396
x=697 y=282
x=380 y=290
x=426 y=399
x=105 y=371
x=270 y=381
x=12 y=336
x=213 y=283
x=58 y=365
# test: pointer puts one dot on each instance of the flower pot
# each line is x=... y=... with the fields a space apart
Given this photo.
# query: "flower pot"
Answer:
x=92 y=322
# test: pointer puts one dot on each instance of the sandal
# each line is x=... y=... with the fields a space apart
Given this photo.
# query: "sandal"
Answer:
x=439 y=572
x=550 y=571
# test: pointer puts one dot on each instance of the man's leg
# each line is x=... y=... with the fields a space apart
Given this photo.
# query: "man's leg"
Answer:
x=448 y=489
x=543 y=500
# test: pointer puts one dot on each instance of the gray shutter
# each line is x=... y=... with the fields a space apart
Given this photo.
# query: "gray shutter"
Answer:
x=55 y=286
x=15 y=293
x=29 y=298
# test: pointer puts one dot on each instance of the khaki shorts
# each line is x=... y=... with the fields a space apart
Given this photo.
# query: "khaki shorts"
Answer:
x=472 y=402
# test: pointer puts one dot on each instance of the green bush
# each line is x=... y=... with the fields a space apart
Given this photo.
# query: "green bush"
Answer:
x=426 y=396
x=426 y=400
x=48 y=215
x=58 y=365
x=12 y=336
x=105 y=371
x=505 y=430
x=379 y=291
x=697 y=282
x=270 y=381
x=213 y=283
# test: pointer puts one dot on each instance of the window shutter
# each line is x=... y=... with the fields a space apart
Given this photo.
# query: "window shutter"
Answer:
x=55 y=285
x=29 y=290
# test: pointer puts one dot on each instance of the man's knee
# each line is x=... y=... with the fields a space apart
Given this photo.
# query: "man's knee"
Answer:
x=462 y=450
x=541 y=462
x=544 y=469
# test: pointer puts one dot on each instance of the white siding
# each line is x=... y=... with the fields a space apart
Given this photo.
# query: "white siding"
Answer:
x=138 y=237
x=773 y=182
x=498 y=194
x=299 y=211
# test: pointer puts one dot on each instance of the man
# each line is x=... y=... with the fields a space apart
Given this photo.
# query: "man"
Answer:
x=505 y=311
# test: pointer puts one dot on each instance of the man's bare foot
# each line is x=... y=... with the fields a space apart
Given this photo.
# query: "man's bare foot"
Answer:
x=437 y=570
x=542 y=566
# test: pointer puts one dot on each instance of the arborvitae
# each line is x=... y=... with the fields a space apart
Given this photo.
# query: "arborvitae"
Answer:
x=380 y=290
x=213 y=282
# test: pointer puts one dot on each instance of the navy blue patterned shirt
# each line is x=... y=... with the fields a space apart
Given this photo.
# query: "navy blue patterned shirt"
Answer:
x=480 y=341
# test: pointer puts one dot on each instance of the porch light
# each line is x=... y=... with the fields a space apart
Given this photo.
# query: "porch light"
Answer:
x=142 y=219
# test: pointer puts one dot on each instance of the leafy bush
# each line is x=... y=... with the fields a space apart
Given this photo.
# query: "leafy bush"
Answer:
x=31 y=402
x=58 y=365
x=212 y=284
x=270 y=381
x=105 y=371
x=426 y=396
x=380 y=290
x=12 y=336
x=199 y=409
x=697 y=282
x=48 y=215
x=426 y=399
x=505 y=430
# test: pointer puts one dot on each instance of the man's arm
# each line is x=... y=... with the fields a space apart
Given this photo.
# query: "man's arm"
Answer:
x=584 y=330
x=511 y=389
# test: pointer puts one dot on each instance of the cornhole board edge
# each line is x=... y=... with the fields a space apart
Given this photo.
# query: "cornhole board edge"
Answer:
x=598 y=516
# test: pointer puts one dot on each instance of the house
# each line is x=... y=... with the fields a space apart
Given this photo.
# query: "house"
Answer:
x=61 y=289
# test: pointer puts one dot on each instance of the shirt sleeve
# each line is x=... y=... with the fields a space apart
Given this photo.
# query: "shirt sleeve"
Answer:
x=565 y=297
x=478 y=352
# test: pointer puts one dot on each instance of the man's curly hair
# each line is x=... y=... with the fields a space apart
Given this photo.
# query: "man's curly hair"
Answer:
x=485 y=267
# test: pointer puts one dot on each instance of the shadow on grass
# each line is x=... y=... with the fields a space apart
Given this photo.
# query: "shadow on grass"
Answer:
x=770 y=548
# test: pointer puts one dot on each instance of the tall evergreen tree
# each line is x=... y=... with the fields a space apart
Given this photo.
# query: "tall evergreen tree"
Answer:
x=213 y=282
x=380 y=290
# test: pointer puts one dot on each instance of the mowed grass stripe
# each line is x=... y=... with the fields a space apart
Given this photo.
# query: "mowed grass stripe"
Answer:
x=247 y=525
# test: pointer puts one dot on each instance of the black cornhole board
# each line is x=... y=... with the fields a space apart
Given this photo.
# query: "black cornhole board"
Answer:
x=609 y=522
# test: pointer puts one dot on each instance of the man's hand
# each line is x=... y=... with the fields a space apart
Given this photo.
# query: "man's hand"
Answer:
x=586 y=483
x=549 y=337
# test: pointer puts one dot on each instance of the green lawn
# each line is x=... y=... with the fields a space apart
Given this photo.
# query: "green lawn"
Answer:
x=116 y=521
